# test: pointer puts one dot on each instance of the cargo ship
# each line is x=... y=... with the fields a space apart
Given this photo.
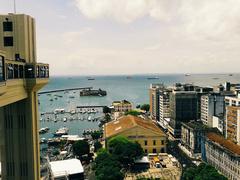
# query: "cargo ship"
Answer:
x=93 y=92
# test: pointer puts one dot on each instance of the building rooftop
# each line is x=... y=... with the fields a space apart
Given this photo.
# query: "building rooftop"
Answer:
x=66 y=167
x=127 y=122
x=229 y=145
x=195 y=125
x=115 y=103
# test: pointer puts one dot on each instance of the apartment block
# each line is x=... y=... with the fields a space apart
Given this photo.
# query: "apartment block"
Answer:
x=154 y=100
x=183 y=108
x=164 y=106
x=211 y=105
x=233 y=123
x=223 y=154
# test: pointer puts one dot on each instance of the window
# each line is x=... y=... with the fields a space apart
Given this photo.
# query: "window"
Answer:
x=10 y=71
x=16 y=75
x=8 y=41
x=2 y=77
x=162 y=142
x=146 y=151
x=29 y=71
x=7 y=26
x=145 y=142
x=154 y=150
x=162 y=150
x=154 y=142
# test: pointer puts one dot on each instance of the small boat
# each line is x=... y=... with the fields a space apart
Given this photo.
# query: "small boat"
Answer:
x=89 y=118
x=91 y=79
x=149 y=78
x=187 y=74
x=43 y=141
x=230 y=74
x=43 y=130
x=71 y=96
x=51 y=99
x=61 y=131
x=64 y=119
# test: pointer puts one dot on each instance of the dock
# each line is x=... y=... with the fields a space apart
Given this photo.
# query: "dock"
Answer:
x=68 y=89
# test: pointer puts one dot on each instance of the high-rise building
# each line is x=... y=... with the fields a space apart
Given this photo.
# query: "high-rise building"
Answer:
x=233 y=124
x=154 y=100
x=212 y=104
x=183 y=108
x=164 y=106
x=20 y=79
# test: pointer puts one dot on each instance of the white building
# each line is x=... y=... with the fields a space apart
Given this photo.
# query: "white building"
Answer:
x=164 y=107
x=232 y=101
x=224 y=155
x=211 y=105
x=66 y=169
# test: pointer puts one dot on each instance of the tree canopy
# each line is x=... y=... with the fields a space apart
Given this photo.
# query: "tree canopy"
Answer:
x=202 y=172
x=124 y=150
x=106 y=110
x=96 y=135
x=81 y=148
x=107 y=167
x=145 y=107
x=132 y=112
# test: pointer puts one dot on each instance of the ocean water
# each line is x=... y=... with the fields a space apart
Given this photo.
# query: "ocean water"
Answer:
x=119 y=87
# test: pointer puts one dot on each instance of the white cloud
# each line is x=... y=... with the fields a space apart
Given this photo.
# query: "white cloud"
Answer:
x=214 y=19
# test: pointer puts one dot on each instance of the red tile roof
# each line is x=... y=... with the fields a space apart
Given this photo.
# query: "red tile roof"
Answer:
x=127 y=122
x=234 y=148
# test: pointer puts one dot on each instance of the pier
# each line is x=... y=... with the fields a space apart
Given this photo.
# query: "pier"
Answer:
x=68 y=89
x=90 y=113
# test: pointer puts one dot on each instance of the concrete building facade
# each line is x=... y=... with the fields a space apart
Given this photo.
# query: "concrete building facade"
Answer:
x=191 y=137
x=183 y=108
x=211 y=105
x=154 y=100
x=164 y=106
x=20 y=79
x=233 y=124
x=223 y=154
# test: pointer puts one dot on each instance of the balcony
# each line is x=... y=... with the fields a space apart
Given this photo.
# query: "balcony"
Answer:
x=18 y=78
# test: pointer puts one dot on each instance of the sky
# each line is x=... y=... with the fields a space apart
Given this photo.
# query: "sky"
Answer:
x=110 y=37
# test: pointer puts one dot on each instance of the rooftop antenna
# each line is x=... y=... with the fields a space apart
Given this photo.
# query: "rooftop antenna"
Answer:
x=14 y=2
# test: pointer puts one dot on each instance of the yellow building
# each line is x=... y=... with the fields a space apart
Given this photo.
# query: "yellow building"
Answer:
x=20 y=79
x=122 y=106
x=145 y=132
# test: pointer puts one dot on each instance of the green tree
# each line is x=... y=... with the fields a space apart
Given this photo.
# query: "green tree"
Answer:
x=132 y=112
x=145 y=107
x=106 y=110
x=96 y=135
x=107 y=118
x=107 y=167
x=202 y=172
x=97 y=146
x=81 y=148
x=125 y=150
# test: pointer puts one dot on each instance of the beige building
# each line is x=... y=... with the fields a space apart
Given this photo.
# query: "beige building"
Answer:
x=122 y=106
x=224 y=155
x=20 y=79
x=154 y=100
x=233 y=124
x=145 y=132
